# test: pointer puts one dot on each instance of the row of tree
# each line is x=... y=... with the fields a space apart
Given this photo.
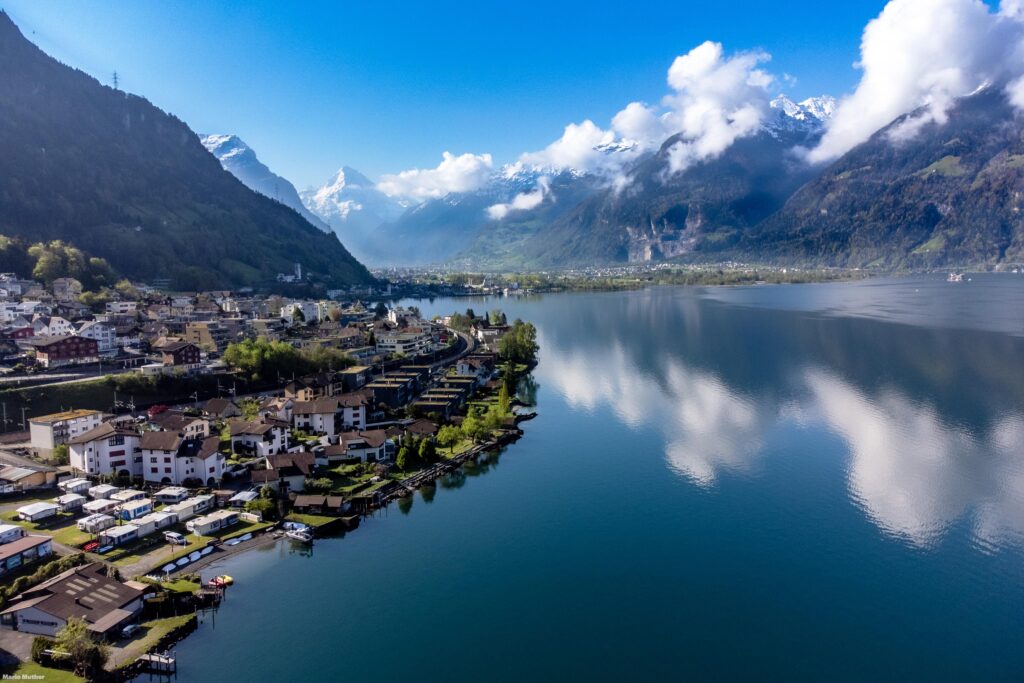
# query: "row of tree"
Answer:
x=262 y=360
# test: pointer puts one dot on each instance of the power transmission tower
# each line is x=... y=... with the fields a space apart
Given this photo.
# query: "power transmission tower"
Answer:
x=116 y=81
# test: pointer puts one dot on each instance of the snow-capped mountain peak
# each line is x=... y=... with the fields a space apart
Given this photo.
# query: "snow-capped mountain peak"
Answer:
x=351 y=204
x=813 y=109
x=241 y=161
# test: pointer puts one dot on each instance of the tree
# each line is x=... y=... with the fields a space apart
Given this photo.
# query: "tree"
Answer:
x=402 y=460
x=519 y=344
x=86 y=654
x=475 y=429
x=428 y=452
x=260 y=506
x=297 y=315
x=504 y=402
x=380 y=310
x=61 y=455
x=250 y=408
x=448 y=435
x=334 y=313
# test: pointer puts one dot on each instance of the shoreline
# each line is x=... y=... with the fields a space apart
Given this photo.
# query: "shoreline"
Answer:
x=395 y=491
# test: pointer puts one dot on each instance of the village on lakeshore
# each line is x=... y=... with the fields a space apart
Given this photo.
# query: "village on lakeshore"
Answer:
x=148 y=434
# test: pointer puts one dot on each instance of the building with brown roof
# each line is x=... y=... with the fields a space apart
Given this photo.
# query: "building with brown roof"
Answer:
x=85 y=593
x=61 y=350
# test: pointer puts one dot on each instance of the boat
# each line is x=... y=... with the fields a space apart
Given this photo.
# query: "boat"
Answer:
x=244 y=538
x=182 y=561
x=301 y=535
x=193 y=556
x=222 y=580
x=233 y=541
x=169 y=567
x=955 y=277
x=206 y=551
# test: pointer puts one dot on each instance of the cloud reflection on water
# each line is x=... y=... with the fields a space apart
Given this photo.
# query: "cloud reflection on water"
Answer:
x=913 y=473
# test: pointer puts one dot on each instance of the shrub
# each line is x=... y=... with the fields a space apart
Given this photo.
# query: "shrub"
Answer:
x=39 y=645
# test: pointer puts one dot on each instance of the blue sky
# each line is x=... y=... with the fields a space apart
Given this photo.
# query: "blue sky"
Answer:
x=384 y=86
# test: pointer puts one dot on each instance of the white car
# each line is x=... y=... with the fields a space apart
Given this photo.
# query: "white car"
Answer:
x=174 y=538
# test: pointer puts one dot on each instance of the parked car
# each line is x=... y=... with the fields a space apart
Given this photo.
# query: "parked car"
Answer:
x=174 y=538
x=130 y=630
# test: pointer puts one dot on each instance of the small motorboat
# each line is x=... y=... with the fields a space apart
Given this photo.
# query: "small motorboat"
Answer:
x=244 y=538
x=300 y=535
x=193 y=556
x=168 y=567
x=222 y=580
x=206 y=551
x=182 y=561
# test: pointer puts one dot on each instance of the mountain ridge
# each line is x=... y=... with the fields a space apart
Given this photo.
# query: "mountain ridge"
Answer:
x=118 y=177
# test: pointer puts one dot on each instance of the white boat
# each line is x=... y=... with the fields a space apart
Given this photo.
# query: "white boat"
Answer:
x=206 y=551
x=182 y=561
x=193 y=556
x=955 y=277
x=300 y=535
x=169 y=567
x=244 y=538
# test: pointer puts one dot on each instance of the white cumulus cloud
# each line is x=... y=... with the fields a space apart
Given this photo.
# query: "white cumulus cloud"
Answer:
x=522 y=201
x=713 y=100
x=924 y=53
x=463 y=173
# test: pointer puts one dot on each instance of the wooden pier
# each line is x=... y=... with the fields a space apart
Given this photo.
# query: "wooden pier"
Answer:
x=162 y=664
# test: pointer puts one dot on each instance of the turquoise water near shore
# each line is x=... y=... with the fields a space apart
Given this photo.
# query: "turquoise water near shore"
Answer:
x=797 y=482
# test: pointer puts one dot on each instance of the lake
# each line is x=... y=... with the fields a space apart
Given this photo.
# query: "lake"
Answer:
x=798 y=482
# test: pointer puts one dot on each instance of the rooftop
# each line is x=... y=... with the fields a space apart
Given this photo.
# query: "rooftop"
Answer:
x=64 y=416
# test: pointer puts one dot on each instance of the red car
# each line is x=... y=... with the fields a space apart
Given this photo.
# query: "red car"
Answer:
x=91 y=546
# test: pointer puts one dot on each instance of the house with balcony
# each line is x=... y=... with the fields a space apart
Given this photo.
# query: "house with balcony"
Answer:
x=107 y=449
x=261 y=438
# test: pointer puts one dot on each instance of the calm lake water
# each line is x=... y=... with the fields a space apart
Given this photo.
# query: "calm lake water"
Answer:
x=820 y=482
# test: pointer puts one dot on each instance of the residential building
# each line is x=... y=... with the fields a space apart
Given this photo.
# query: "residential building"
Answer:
x=23 y=551
x=409 y=342
x=367 y=446
x=316 y=417
x=61 y=350
x=49 y=431
x=209 y=335
x=67 y=289
x=179 y=354
x=171 y=458
x=108 y=448
x=122 y=307
x=85 y=593
x=352 y=409
x=221 y=409
x=51 y=326
x=189 y=426
x=104 y=334
x=264 y=437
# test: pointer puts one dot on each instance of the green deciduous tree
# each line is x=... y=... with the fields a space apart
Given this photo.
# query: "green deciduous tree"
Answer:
x=448 y=436
x=87 y=655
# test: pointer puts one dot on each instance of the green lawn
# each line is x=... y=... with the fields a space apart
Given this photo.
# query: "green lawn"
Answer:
x=72 y=536
x=181 y=586
x=134 y=554
x=32 y=671
x=310 y=520
x=152 y=632
x=47 y=526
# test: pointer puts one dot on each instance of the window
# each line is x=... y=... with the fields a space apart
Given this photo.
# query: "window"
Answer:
x=167 y=470
x=116 y=440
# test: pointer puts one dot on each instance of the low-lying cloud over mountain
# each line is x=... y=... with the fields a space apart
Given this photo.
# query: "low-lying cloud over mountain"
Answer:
x=716 y=156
